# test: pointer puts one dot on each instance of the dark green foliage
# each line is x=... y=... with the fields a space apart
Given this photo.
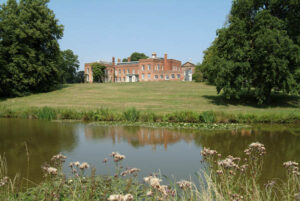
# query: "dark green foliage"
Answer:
x=68 y=65
x=98 y=72
x=135 y=56
x=29 y=50
x=79 y=77
x=257 y=52
x=198 y=75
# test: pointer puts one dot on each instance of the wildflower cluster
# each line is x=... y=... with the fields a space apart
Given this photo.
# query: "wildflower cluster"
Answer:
x=183 y=184
x=129 y=171
x=236 y=197
x=4 y=181
x=117 y=157
x=208 y=153
x=58 y=157
x=75 y=165
x=164 y=190
x=255 y=148
x=229 y=162
x=127 y=197
x=50 y=170
x=292 y=167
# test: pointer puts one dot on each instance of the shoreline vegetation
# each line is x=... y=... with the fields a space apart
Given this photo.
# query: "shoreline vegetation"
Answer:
x=134 y=117
x=217 y=181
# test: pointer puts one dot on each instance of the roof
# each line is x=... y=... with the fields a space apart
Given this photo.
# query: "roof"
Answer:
x=128 y=63
x=189 y=64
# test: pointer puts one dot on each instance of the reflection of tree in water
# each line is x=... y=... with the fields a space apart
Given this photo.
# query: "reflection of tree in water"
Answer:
x=137 y=136
x=282 y=144
x=44 y=139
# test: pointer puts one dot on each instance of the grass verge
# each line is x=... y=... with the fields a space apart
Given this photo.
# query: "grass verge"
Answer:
x=133 y=116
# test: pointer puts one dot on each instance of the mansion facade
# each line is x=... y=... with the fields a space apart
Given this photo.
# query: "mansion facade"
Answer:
x=150 y=69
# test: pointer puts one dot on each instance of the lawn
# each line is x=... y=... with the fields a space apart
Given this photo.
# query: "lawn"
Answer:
x=160 y=97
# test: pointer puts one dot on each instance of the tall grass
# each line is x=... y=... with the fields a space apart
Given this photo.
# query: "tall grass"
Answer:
x=229 y=178
x=134 y=115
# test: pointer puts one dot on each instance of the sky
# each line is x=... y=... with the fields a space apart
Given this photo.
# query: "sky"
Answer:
x=100 y=29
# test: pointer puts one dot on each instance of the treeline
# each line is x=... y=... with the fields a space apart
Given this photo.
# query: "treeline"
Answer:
x=257 y=52
x=30 y=57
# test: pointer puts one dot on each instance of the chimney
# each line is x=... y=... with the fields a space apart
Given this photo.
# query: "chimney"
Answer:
x=166 y=61
x=129 y=59
x=113 y=61
x=153 y=55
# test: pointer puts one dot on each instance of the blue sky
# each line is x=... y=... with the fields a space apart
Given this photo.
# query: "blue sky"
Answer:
x=100 y=29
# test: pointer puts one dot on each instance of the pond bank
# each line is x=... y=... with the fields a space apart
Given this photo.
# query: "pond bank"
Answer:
x=134 y=117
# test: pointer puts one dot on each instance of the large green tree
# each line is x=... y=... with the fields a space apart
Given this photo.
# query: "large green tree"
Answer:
x=258 y=51
x=98 y=72
x=135 y=56
x=68 y=65
x=29 y=49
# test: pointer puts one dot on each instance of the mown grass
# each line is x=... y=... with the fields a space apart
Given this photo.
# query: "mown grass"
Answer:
x=225 y=178
x=158 y=97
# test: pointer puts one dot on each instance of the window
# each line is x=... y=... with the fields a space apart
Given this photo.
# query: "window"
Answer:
x=88 y=71
x=87 y=78
x=173 y=76
x=143 y=67
x=124 y=79
x=120 y=71
x=156 y=77
x=167 y=77
x=149 y=67
x=120 y=79
x=143 y=76
x=149 y=75
x=178 y=76
x=157 y=66
x=161 y=77
x=124 y=71
x=133 y=71
x=128 y=71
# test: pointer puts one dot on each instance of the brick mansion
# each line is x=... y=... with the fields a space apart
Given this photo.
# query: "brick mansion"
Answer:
x=150 y=69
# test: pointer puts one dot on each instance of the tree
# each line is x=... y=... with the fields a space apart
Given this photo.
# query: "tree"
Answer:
x=68 y=65
x=79 y=77
x=257 y=52
x=98 y=72
x=29 y=48
x=135 y=56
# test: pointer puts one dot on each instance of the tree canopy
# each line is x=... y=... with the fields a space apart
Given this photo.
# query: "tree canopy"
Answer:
x=258 y=51
x=68 y=65
x=135 y=56
x=98 y=72
x=29 y=49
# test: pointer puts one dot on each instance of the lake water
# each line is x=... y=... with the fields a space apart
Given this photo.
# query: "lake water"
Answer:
x=173 y=152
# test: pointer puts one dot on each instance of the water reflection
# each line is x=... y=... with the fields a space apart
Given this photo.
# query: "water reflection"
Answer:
x=172 y=151
x=138 y=137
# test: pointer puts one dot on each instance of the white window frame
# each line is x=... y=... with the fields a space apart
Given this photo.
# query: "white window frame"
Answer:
x=143 y=67
x=149 y=67
x=167 y=77
x=149 y=76
x=143 y=76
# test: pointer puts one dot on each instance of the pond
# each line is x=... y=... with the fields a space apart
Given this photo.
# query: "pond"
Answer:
x=173 y=152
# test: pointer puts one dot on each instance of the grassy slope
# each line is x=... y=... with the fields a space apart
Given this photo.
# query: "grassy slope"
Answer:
x=162 y=97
